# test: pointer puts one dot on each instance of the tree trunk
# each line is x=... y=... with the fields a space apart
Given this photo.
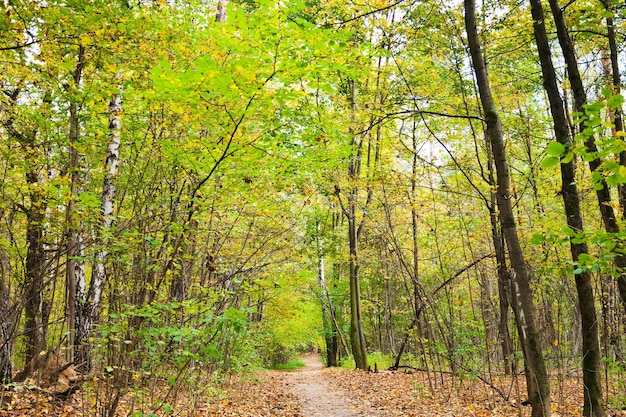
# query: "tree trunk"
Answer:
x=593 y=401
x=34 y=273
x=7 y=324
x=357 y=336
x=616 y=83
x=537 y=378
x=504 y=293
x=580 y=99
x=220 y=15
x=330 y=336
x=87 y=314
x=35 y=264
x=75 y=269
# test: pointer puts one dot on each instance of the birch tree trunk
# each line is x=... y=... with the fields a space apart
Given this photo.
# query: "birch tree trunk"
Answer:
x=220 y=16
x=87 y=313
x=537 y=378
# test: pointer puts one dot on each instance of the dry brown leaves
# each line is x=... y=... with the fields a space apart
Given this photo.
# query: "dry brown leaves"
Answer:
x=368 y=394
x=267 y=395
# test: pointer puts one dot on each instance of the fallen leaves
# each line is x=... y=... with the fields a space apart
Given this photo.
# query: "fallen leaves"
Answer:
x=268 y=394
x=265 y=394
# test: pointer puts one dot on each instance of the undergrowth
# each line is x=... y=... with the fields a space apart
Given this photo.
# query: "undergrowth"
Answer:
x=289 y=366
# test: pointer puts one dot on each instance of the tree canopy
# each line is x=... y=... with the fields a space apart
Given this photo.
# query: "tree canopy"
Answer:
x=193 y=188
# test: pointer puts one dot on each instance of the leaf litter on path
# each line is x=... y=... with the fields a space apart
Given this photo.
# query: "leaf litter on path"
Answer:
x=354 y=393
x=316 y=392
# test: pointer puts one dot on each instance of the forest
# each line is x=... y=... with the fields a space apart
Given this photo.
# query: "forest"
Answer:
x=192 y=190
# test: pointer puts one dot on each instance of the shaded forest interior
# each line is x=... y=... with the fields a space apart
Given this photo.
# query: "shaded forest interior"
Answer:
x=191 y=190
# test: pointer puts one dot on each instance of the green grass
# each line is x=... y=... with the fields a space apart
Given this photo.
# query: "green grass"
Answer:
x=289 y=366
x=381 y=360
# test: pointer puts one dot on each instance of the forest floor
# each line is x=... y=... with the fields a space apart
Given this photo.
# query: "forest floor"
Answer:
x=315 y=391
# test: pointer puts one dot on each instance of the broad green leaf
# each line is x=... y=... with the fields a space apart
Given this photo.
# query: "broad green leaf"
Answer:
x=549 y=161
x=555 y=148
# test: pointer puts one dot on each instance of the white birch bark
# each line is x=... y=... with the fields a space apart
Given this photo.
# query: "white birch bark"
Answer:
x=108 y=197
x=220 y=16
x=90 y=304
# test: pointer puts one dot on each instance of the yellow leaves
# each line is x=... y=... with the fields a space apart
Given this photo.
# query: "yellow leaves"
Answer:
x=85 y=39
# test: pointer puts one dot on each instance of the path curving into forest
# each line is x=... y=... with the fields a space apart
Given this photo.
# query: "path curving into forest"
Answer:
x=317 y=397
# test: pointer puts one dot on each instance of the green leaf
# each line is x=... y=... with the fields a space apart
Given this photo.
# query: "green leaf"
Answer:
x=555 y=148
x=537 y=239
x=568 y=231
x=549 y=161
x=567 y=158
x=615 y=101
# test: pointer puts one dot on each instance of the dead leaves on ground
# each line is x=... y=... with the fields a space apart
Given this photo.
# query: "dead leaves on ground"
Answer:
x=266 y=394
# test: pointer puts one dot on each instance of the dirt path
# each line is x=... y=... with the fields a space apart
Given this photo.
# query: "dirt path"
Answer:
x=313 y=390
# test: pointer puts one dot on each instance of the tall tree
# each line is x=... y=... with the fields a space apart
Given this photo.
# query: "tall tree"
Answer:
x=613 y=68
x=89 y=302
x=355 y=228
x=75 y=269
x=536 y=378
x=603 y=192
x=591 y=355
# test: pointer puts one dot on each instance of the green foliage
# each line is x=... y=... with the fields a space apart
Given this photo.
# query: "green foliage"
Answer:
x=292 y=365
x=173 y=340
x=236 y=138
x=617 y=400
x=382 y=360
x=291 y=325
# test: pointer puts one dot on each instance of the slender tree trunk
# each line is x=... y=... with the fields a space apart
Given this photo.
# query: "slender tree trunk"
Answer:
x=504 y=293
x=603 y=194
x=6 y=321
x=87 y=314
x=330 y=337
x=537 y=378
x=616 y=83
x=35 y=264
x=418 y=303
x=220 y=15
x=357 y=336
x=593 y=401
x=75 y=266
x=34 y=272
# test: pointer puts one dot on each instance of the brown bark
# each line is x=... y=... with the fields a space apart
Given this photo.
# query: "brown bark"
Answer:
x=504 y=294
x=6 y=321
x=537 y=378
x=616 y=83
x=603 y=193
x=357 y=335
x=35 y=264
x=75 y=273
x=591 y=355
